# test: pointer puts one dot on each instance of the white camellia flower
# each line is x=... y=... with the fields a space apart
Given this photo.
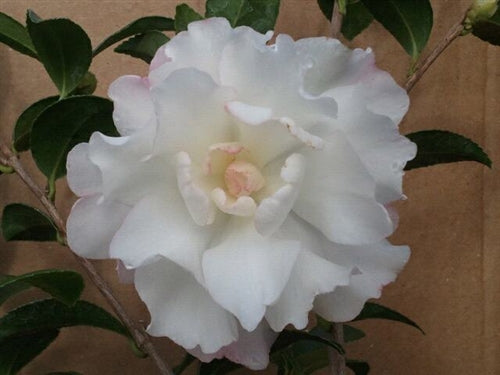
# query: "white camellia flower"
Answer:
x=249 y=186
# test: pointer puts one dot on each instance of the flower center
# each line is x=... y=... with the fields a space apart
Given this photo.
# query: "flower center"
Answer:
x=243 y=178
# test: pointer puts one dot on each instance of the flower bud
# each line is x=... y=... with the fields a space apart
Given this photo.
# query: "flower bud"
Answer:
x=480 y=10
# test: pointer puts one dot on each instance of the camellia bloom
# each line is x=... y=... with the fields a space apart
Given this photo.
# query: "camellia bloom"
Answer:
x=249 y=186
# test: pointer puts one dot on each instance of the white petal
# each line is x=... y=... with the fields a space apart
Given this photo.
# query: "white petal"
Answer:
x=249 y=114
x=273 y=210
x=246 y=272
x=182 y=309
x=129 y=172
x=312 y=275
x=133 y=108
x=91 y=225
x=197 y=201
x=191 y=114
x=242 y=206
x=84 y=177
x=161 y=226
x=376 y=265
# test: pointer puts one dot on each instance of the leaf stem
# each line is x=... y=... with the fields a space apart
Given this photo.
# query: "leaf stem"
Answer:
x=337 y=360
x=419 y=70
x=336 y=22
x=139 y=335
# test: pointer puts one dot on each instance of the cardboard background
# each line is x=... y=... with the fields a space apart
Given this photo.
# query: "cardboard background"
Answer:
x=451 y=219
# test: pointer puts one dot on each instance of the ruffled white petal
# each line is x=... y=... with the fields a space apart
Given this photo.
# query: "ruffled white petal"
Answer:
x=273 y=210
x=241 y=206
x=133 y=108
x=161 y=226
x=182 y=309
x=249 y=114
x=191 y=114
x=92 y=224
x=246 y=272
x=84 y=178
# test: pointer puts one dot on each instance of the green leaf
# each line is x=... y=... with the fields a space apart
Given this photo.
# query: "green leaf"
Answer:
x=15 y=35
x=303 y=357
x=326 y=7
x=358 y=367
x=40 y=316
x=24 y=223
x=375 y=311
x=22 y=130
x=139 y=26
x=440 y=146
x=357 y=18
x=352 y=334
x=63 y=48
x=218 y=367
x=184 y=15
x=143 y=46
x=188 y=359
x=65 y=124
x=260 y=15
x=488 y=29
x=287 y=338
x=65 y=286
x=17 y=351
x=409 y=21
x=87 y=85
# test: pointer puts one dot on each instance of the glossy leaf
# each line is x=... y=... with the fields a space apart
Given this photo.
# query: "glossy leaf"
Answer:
x=326 y=7
x=15 y=35
x=65 y=286
x=87 y=85
x=188 y=359
x=218 y=367
x=24 y=223
x=358 y=367
x=303 y=357
x=139 y=26
x=143 y=46
x=375 y=311
x=50 y=314
x=357 y=18
x=63 y=48
x=440 y=146
x=488 y=29
x=17 y=351
x=184 y=15
x=352 y=333
x=24 y=124
x=409 y=21
x=260 y=15
x=287 y=338
x=63 y=125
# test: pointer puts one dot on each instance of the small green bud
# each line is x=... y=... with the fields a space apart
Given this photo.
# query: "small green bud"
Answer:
x=480 y=10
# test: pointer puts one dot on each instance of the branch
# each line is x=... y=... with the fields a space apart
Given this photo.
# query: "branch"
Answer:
x=455 y=31
x=337 y=360
x=139 y=335
x=337 y=18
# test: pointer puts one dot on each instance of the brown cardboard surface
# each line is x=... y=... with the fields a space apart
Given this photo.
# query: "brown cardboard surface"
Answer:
x=451 y=219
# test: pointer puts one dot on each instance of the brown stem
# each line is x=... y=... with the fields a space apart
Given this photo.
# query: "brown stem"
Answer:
x=337 y=18
x=139 y=335
x=455 y=31
x=337 y=360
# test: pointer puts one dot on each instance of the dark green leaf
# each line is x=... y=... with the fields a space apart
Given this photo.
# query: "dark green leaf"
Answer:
x=488 y=29
x=260 y=15
x=184 y=15
x=18 y=351
x=140 y=26
x=87 y=85
x=440 y=146
x=357 y=18
x=188 y=359
x=326 y=7
x=409 y=21
x=63 y=48
x=24 y=124
x=359 y=367
x=303 y=357
x=375 y=311
x=352 y=334
x=287 y=338
x=143 y=46
x=40 y=316
x=25 y=223
x=63 y=125
x=15 y=35
x=66 y=286
x=218 y=367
